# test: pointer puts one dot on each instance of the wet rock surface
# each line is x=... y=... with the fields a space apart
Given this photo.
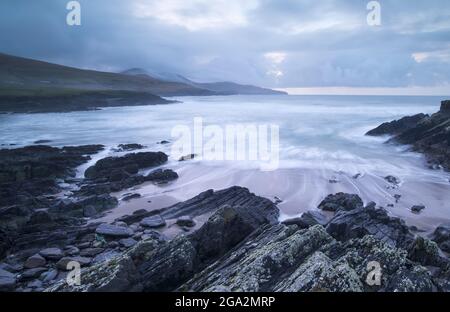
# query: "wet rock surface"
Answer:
x=442 y=236
x=129 y=147
x=111 y=168
x=397 y=126
x=42 y=229
x=427 y=134
x=240 y=251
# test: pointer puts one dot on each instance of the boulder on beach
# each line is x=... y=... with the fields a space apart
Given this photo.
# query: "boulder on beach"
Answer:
x=341 y=201
x=153 y=222
x=52 y=253
x=130 y=163
x=113 y=230
x=161 y=176
x=35 y=261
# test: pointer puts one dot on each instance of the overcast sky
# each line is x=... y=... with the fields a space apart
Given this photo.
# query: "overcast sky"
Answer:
x=274 y=43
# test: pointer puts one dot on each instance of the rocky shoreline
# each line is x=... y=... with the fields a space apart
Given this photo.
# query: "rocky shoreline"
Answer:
x=226 y=240
x=426 y=134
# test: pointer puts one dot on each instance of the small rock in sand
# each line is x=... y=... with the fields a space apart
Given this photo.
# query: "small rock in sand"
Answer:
x=393 y=180
x=128 y=197
x=417 y=208
x=187 y=157
x=185 y=221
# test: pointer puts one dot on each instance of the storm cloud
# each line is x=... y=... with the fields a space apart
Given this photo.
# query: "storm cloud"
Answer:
x=274 y=43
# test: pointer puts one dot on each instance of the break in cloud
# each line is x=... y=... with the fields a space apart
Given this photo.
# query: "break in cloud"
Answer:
x=274 y=43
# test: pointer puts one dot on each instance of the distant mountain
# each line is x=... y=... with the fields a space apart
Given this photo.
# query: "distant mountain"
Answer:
x=28 y=85
x=164 y=76
x=222 y=88
x=235 y=88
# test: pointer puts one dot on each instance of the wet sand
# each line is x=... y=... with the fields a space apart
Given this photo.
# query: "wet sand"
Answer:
x=300 y=189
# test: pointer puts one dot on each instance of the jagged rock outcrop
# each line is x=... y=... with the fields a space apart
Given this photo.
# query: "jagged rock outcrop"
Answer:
x=397 y=126
x=162 y=266
x=113 y=168
x=238 y=250
x=427 y=134
x=362 y=221
x=29 y=178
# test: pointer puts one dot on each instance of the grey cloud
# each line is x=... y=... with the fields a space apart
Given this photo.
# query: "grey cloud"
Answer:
x=326 y=43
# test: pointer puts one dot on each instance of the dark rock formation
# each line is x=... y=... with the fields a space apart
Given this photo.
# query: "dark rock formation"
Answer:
x=185 y=221
x=359 y=222
x=128 y=197
x=256 y=208
x=114 y=168
x=155 y=221
x=417 y=208
x=29 y=177
x=427 y=134
x=397 y=126
x=308 y=219
x=7 y=280
x=113 y=230
x=187 y=157
x=129 y=147
x=236 y=250
x=442 y=236
x=341 y=201
x=161 y=176
x=393 y=180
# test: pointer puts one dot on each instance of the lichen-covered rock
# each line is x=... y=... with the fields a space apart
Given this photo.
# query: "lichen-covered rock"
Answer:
x=242 y=248
x=281 y=258
x=442 y=236
x=116 y=275
x=426 y=252
x=307 y=219
x=370 y=221
x=341 y=201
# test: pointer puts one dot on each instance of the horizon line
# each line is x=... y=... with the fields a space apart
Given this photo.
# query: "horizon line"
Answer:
x=397 y=91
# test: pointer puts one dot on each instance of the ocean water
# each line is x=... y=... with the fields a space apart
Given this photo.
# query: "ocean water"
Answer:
x=321 y=139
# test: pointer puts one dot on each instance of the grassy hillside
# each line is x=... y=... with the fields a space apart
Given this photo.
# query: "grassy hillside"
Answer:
x=75 y=100
x=26 y=77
